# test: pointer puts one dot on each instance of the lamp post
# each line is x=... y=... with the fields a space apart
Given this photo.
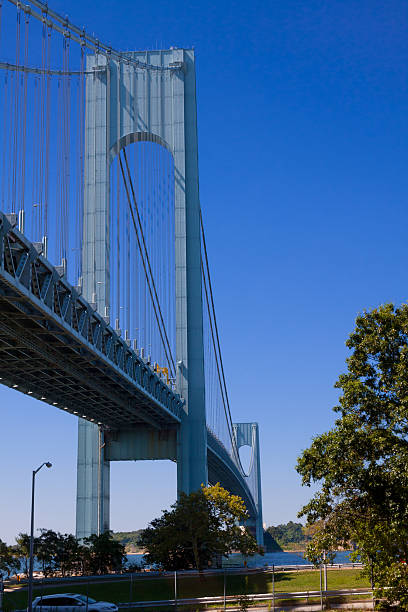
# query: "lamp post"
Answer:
x=30 y=574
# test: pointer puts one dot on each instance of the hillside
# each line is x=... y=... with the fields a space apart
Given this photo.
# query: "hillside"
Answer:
x=129 y=539
x=290 y=536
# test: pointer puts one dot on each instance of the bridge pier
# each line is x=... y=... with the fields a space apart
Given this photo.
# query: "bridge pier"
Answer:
x=93 y=476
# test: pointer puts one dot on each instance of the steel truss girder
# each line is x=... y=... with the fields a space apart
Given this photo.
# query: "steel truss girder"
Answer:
x=44 y=320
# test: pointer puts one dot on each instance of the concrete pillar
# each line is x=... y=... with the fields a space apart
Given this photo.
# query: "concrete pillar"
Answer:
x=192 y=447
x=92 y=481
x=92 y=510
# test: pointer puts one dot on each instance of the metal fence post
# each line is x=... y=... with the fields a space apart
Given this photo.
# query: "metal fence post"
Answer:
x=1 y=592
x=225 y=589
x=175 y=589
x=273 y=588
x=321 y=593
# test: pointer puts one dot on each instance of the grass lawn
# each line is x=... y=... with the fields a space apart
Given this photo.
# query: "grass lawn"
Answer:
x=144 y=589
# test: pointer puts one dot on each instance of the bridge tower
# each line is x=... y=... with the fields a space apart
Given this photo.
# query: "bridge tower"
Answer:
x=247 y=434
x=127 y=103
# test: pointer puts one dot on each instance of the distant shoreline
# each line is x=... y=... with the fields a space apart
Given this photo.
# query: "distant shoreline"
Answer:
x=293 y=551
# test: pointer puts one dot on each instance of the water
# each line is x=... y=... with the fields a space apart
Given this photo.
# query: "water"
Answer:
x=275 y=558
x=291 y=558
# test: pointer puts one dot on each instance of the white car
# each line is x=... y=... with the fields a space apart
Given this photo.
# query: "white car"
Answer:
x=71 y=602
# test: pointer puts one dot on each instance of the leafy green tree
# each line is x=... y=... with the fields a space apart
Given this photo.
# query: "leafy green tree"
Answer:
x=102 y=554
x=69 y=555
x=361 y=464
x=229 y=510
x=48 y=547
x=288 y=533
x=199 y=527
x=9 y=562
x=23 y=549
x=59 y=553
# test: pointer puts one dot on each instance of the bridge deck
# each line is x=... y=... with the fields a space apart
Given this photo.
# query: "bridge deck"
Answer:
x=57 y=348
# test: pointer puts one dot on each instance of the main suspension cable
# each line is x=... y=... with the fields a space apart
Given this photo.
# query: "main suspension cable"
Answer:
x=79 y=35
x=216 y=340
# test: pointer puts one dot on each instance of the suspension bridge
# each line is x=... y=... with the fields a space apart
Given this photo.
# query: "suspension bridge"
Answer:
x=106 y=303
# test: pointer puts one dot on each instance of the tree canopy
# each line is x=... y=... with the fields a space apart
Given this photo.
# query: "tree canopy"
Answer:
x=9 y=563
x=129 y=539
x=198 y=528
x=361 y=463
x=64 y=555
x=288 y=533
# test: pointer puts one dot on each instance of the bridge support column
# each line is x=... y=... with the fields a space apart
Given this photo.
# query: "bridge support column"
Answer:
x=192 y=469
x=92 y=514
x=247 y=434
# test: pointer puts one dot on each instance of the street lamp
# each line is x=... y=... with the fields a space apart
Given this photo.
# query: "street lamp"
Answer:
x=30 y=574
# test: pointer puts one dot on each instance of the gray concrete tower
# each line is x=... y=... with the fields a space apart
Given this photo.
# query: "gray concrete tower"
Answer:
x=126 y=103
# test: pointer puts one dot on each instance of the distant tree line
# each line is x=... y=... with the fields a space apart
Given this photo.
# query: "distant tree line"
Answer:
x=290 y=535
x=64 y=555
x=130 y=540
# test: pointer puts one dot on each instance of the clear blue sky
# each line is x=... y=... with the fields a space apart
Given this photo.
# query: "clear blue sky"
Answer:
x=302 y=114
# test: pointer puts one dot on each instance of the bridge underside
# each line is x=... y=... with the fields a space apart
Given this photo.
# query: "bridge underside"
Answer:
x=140 y=443
x=55 y=347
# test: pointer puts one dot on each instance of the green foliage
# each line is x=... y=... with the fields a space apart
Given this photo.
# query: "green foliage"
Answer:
x=360 y=464
x=288 y=533
x=129 y=539
x=102 y=554
x=23 y=549
x=9 y=562
x=59 y=553
x=228 y=510
x=198 y=528
x=64 y=555
x=395 y=577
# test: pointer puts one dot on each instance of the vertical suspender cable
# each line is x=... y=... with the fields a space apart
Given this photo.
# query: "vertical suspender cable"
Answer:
x=155 y=308
x=15 y=117
x=118 y=131
x=23 y=152
x=4 y=136
x=43 y=205
x=213 y=308
x=80 y=170
x=146 y=251
x=48 y=85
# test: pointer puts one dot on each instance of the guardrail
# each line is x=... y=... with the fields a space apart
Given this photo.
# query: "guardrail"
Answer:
x=254 y=597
